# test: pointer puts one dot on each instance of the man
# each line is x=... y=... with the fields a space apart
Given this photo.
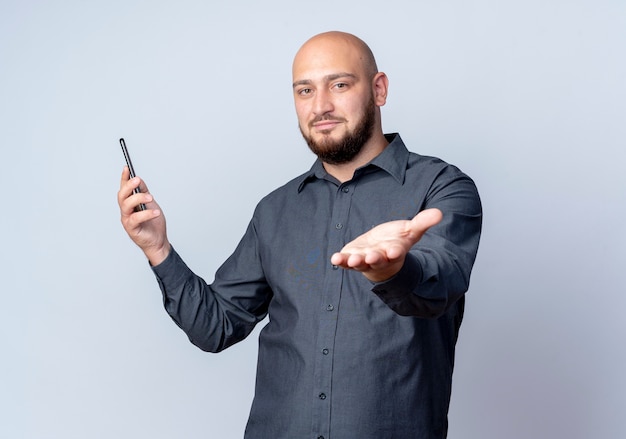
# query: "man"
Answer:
x=361 y=264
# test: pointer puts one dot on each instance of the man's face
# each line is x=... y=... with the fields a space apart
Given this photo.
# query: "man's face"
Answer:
x=334 y=100
x=347 y=143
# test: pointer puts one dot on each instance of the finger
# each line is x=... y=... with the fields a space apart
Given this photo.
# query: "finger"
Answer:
x=125 y=175
x=142 y=198
x=137 y=218
x=425 y=219
x=128 y=189
x=357 y=261
x=123 y=180
x=143 y=187
x=127 y=184
x=339 y=259
x=126 y=195
x=131 y=204
x=391 y=254
x=373 y=258
x=132 y=183
x=348 y=260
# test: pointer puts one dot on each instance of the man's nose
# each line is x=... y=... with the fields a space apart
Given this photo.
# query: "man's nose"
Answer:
x=322 y=103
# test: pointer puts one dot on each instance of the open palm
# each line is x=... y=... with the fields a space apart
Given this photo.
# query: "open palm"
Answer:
x=379 y=253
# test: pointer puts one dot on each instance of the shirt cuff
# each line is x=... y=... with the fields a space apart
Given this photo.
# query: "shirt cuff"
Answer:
x=172 y=271
x=403 y=283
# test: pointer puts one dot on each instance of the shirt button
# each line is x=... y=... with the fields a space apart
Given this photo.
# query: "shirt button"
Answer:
x=320 y=437
x=338 y=226
x=329 y=307
x=325 y=351
x=322 y=396
x=345 y=190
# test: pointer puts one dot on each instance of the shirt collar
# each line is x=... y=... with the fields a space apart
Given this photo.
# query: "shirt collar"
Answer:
x=393 y=160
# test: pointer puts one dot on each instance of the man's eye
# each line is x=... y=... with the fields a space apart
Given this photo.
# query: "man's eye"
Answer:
x=304 y=91
x=341 y=85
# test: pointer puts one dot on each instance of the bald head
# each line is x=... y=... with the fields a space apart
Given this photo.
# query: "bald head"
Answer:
x=338 y=91
x=337 y=44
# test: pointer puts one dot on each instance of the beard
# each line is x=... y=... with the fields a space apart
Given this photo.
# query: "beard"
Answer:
x=337 y=152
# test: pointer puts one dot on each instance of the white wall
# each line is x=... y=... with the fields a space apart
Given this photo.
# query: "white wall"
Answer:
x=526 y=97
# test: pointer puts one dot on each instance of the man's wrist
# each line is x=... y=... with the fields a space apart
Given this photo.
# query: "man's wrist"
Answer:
x=155 y=257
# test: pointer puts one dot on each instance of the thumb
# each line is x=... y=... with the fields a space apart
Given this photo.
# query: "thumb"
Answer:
x=425 y=219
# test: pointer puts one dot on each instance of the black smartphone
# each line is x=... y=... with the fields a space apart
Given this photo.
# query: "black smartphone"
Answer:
x=131 y=169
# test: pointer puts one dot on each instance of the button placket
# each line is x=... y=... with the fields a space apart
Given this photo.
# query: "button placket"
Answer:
x=331 y=297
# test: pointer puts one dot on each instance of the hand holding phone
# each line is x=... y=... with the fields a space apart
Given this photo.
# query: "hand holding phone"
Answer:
x=147 y=230
x=129 y=163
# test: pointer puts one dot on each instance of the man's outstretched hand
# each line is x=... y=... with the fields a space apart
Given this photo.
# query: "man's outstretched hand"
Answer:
x=379 y=254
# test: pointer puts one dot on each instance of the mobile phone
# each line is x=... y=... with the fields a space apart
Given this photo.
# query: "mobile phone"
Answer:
x=131 y=169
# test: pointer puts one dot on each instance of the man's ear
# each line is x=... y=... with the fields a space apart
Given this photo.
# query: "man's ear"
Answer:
x=380 y=87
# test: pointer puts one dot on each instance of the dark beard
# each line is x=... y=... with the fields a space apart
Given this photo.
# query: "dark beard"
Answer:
x=346 y=149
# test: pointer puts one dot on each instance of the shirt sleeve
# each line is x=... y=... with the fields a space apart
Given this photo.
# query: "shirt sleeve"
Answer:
x=436 y=272
x=219 y=315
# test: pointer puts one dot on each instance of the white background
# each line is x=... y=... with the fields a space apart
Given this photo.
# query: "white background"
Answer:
x=527 y=97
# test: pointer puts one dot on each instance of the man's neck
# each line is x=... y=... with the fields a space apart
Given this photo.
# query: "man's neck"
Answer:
x=345 y=171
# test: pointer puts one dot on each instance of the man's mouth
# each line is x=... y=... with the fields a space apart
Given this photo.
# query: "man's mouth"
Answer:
x=326 y=124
